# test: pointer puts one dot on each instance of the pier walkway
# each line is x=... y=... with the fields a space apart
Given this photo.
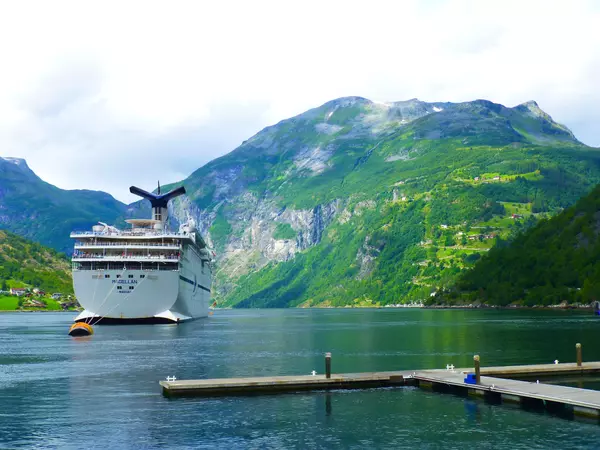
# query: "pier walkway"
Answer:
x=254 y=385
x=497 y=385
x=530 y=394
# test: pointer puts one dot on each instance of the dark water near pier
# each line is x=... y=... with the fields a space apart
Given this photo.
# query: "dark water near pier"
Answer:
x=103 y=392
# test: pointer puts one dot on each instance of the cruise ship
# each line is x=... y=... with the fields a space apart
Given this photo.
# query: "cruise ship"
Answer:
x=144 y=274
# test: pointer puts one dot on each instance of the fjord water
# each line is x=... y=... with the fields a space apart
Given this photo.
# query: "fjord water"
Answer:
x=103 y=392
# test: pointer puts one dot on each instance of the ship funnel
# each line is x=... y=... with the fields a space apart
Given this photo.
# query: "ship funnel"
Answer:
x=158 y=201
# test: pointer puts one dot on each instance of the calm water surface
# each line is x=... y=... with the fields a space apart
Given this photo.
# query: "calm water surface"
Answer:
x=103 y=392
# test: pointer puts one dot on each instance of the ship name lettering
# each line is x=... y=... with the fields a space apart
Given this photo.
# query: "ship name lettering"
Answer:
x=125 y=281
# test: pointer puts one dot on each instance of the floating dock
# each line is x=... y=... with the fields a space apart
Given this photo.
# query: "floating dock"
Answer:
x=228 y=386
x=540 y=370
x=563 y=400
x=273 y=385
x=497 y=385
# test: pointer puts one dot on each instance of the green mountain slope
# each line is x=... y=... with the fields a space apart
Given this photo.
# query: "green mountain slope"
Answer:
x=39 y=211
x=557 y=260
x=327 y=153
x=356 y=202
x=28 y=264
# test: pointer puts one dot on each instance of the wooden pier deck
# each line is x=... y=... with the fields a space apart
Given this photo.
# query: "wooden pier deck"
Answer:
x=496 y=385
x=540 y=370
x=255 y=385
x=531 y=394
x=227 y=386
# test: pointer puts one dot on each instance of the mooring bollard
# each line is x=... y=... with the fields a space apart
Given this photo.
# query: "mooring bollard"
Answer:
x=579 y=360
x=327 y=365
x=477 y=369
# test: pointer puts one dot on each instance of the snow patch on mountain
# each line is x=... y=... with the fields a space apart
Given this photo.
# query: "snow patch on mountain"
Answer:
x=326 y=128
x=314 y=159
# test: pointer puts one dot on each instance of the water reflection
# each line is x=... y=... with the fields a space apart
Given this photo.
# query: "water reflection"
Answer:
x=472 y=411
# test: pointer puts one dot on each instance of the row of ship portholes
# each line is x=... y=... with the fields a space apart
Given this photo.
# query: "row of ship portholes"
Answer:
x=130 y=287
x=129 y=276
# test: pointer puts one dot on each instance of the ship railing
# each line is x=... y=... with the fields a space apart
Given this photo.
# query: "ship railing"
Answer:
x=124 y=244
x=102 y=269
x=124 y=257
x=140 y=232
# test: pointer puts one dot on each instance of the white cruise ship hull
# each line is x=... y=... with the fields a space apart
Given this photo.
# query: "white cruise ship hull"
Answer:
x=136 y=295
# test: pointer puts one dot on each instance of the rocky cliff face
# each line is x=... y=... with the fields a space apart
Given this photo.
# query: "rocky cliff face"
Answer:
x=252 y=242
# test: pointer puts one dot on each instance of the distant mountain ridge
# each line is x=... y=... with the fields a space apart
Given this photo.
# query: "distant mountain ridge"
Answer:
x=42 y=212
x=477 y=122
x=356 y=202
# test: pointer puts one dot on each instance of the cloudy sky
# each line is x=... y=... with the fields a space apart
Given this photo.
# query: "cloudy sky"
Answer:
x=102 y=95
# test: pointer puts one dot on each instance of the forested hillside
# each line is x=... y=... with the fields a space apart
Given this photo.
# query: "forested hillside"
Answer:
x=557 y=260
x=28 y=264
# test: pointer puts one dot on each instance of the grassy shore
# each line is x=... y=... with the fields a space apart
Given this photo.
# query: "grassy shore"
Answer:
x=11 y=303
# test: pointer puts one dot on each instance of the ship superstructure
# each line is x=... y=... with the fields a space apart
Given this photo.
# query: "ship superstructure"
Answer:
x=146 y=273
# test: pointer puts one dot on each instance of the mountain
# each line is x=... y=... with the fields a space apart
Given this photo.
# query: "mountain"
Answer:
x=364 y=203
x=351 y=203
x=557 y=260
x=28 y=264
x=39 y=211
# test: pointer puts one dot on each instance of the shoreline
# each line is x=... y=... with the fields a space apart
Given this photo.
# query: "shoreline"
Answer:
x=542 y=307
x=37 y=310
x=510 y=307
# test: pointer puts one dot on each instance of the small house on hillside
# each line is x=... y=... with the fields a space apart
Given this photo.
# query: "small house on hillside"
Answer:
x=56 y=295
x=18 y=291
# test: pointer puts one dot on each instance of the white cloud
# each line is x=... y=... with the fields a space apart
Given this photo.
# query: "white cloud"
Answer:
x=102 y=95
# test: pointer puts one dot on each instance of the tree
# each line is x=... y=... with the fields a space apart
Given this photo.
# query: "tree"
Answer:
x=590 y=291
x=449 y=241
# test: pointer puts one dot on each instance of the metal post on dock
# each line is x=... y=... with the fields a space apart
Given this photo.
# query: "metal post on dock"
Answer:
x=477 y=369
x=327 y=365
x=579 y=360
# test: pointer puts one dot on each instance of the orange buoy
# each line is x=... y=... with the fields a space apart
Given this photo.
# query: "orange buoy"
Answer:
x=81 y=329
